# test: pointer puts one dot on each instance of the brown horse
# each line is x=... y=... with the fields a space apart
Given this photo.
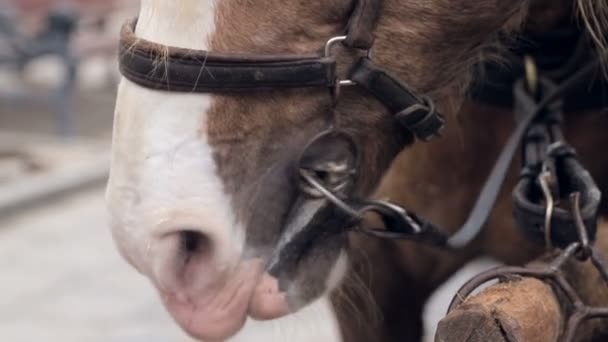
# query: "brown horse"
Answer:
x=202 y=186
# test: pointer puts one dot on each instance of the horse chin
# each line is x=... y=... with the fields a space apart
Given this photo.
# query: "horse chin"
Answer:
x=268 y=301
x=219 y=315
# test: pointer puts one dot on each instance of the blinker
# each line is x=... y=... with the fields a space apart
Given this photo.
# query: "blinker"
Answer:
x=332 y=160
x=328 y=168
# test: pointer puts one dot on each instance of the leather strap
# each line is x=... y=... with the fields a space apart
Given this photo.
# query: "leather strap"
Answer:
x=557 y=54
x=415 y=113
x=489 y=193
x=185 y=70
x=362 y=24
x=544 y=145
x=530 y=210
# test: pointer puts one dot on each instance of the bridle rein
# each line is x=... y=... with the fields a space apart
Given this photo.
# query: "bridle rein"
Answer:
x=197 y=71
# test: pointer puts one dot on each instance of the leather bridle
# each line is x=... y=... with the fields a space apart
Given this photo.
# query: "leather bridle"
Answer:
x=197 y=71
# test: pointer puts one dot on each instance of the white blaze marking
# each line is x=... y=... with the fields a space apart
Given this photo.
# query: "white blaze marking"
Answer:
x=338 y=271
x=163 y=174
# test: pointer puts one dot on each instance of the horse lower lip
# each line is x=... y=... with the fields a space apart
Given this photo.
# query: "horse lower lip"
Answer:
x=218 y=315
x=268 y=302
x=206 y=325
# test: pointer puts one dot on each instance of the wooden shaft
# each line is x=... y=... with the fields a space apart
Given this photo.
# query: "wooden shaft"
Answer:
x=528 y=309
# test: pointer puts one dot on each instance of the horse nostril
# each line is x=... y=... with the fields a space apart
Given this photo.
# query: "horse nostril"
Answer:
x=185 y=261
x=195 y=243
x=190 y=258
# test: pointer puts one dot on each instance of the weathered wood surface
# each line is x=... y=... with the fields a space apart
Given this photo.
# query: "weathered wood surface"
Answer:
x=529 y=310
x=525 y=310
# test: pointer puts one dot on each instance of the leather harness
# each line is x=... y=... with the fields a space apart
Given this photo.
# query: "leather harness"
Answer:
x=196 y=71
x=557 y=54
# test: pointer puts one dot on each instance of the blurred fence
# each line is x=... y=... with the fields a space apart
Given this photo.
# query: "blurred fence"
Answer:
x=62 y=277
x=58 y=77
x=68 y=31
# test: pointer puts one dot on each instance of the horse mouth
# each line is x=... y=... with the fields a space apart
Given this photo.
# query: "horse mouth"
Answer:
x=222 y=312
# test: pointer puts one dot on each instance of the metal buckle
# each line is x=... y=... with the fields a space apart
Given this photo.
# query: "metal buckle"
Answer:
x=309 y=178
x=327 y=53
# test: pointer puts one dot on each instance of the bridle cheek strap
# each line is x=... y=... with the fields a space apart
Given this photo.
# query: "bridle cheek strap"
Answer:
x=416 y=113
x=362 y=24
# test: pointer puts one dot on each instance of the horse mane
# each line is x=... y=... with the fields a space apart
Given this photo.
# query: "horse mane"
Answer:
x=594 y=15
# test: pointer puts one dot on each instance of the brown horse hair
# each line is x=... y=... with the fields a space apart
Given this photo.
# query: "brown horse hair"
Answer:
x=594 y=15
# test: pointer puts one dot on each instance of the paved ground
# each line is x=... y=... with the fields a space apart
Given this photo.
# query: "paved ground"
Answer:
x=63 y=281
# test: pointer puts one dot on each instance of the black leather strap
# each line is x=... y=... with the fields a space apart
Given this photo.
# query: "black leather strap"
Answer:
x=544 y=150
x=489 y=193
x=415 y=113
x=362 y=24
x=557 y=54
x=530 y=209
x=185 y=70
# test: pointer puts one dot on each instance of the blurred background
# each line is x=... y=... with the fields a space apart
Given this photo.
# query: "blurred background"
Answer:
x=60 y=276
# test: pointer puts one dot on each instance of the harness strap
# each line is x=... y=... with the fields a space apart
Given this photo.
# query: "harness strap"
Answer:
x=415 y=113
x=548 y=161
x=557 y=54
x=183 y=70
x=362 y=24
x=489 y=193
x=530 y=212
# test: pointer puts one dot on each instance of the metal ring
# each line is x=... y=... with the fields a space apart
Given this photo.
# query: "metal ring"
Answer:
x=310 y=173
x=380 y=205
x=575 y=200
x=497 y=273
x=532 y=80
x=384 y=208
x=331 y=42
x=544 y=178
x=308 y=177
x=327 y=53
